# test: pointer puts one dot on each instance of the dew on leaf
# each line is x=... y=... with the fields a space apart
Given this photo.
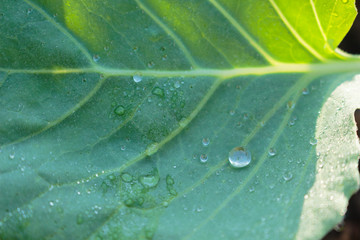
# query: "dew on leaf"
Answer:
x=290 y=105
x=287 y=176
x=158 y=92
x=137 y=78
x=164 y=57
x=96 y=58
x=239 y=157
x=205 y=141
x=251 y=189
x=151 y=64
x=203 y=158
x=119 y=110
x=150 y=180
x=345 y=1
x=111 y=177
x=152 y=148
x=305 y=91
x=165 y=204
x=12 y=156
x=177 y=84
x=313 y=141
x=272 y=152
x=232 y=113
x=123 y=148
x=51 y=203
x=169 y=180
x=126 y=177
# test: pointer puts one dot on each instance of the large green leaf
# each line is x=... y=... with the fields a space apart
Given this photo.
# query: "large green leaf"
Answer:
x=86 y=152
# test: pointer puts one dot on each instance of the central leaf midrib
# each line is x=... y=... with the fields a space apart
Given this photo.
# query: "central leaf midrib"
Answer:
x=338 y=66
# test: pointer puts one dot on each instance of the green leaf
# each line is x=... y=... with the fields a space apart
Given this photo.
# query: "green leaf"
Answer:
x=117 y=119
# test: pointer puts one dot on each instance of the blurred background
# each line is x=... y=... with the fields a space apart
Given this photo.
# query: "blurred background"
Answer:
x=351 y=42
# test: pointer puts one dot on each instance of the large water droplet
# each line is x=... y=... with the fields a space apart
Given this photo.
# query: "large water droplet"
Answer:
x=119 y=110
x=203 y=158
x=239 y=157
x=137 y=78
x=206 y=141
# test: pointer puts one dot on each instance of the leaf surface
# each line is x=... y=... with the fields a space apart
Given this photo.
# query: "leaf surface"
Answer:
x=108 y=107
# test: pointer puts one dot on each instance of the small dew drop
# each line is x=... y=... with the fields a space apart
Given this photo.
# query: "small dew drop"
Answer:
x=205 y=142
x=272 y=152
x=290 y=105
x=158 y=92
x=119 y=110
x=287 y=176
x=51 y=203
x=126 y=177
x=239 y=157
x=96 y=58
x=177 y=84
x=251 y=189
x=123 y=148
x=232 y=113
x=137 y=78
x=345 y=1
x=203 y=158
x=313 y=141
x=164 y=57
x=305 y=91
x=12 y=156
x=165 y=204
x=106 y=48
x=169 y=180
x=151 y=64
x=152 y=148
x=150 y=180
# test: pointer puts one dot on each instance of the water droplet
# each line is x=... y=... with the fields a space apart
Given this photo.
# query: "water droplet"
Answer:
x=119 y=110
x=206 y=141
x=30 y=10
x=313 y=141
x=12 y=156
x=123 y=147
x=177 y=84
x=203 y=158
x=51 y=203
x=137 y=78
x=232 y=113
x=239 y=157
x=111 y=177
x=96 y=58
x=165 y=204
x=287 y=176
x=345 y=1
x=272 y=152
x=152 y=148
x=106 y=48
x=158 y=92
x=251 y=189
x=169 y=180
x=305 y=91
x=126 y=177
x=164 y=57
x=290 y=105
x=151 y=64
x=150 y=180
